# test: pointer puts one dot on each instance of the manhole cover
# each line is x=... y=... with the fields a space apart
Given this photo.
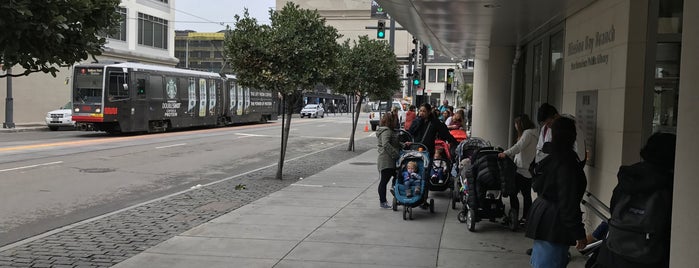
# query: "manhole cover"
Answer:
x=363 y=163
x=97 y=170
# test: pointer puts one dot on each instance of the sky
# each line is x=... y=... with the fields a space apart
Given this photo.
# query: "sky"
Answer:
x=214 y=15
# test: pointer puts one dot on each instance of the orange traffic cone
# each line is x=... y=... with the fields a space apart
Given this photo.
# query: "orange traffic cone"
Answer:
x=366 y=127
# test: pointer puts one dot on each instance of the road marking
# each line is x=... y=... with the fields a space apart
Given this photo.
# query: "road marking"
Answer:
x=32 y=166
x=306 y=185
x=168 y=146
x=252 y=135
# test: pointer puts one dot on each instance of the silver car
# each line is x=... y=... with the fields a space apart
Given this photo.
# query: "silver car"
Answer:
x=313 y=110
x=63 y=117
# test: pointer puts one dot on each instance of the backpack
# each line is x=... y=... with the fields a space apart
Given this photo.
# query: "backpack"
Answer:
x=639 y=229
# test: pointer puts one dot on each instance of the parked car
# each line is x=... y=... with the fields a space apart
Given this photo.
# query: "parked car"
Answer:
x=376 y=115
x=313 y=110
x=61 y=117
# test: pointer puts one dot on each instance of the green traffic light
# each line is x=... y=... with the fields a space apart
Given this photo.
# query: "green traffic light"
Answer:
x=380 y=34
x=416 y=82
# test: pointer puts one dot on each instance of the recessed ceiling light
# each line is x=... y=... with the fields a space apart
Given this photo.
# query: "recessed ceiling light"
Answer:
x=492 y=6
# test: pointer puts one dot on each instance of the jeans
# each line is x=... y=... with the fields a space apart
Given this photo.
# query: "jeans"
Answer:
x=549 y=255
x=386 y=174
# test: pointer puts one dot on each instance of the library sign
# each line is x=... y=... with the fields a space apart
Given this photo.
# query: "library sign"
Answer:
x=587 y=46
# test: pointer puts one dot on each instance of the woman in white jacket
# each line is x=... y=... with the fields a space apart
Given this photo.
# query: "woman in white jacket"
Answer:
x=523 y=151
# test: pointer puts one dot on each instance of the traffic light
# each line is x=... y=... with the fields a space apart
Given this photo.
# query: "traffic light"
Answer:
x=381 y=29
x=416 y=79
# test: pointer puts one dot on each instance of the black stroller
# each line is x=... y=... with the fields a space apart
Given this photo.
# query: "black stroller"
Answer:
x=462 y=167
x=492 y=178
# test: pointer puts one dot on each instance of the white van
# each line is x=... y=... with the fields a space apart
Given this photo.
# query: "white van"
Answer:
x=376 y=115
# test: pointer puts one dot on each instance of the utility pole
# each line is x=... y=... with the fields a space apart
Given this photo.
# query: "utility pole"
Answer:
x=8 y=102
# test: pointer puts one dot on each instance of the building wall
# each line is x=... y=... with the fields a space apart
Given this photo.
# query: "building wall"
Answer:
x=618 y=81
x=55 y=92
x=685 y=213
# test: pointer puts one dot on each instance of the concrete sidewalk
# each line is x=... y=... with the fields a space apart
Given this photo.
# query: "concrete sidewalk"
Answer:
x=333 y=219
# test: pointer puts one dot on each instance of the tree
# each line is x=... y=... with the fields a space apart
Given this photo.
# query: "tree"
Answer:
x=466 y=93
x=293 y=54
x=41 y=35
x=368 y=69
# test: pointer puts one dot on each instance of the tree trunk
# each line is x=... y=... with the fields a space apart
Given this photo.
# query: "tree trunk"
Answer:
x=355 y=122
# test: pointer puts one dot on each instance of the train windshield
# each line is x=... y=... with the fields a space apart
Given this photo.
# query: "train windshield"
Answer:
x=87 y=84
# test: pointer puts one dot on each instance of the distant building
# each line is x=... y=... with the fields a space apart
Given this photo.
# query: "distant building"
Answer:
x=201 y=51
x=146 y=34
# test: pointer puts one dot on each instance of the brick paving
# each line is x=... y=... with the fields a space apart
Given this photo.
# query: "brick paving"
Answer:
x=115 y=238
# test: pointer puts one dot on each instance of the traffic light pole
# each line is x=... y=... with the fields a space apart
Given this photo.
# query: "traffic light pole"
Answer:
x=391 y=36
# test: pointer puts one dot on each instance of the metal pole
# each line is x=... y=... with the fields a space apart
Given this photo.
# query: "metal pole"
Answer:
x=186 y=57
x=392 y=36
x=8 y=102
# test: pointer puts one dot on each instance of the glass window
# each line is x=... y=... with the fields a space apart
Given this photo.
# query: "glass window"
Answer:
x=555 y=88
x=432 y=76
x=152 y=31
x=116 y=87
x=120 y=33
x=441 y=75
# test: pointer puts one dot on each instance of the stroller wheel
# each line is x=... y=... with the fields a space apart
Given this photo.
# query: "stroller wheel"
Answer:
x=471 y=220
x=405 y=213
x=410 y=213
x=431 y=205
x=462 y=216
x=395 y=204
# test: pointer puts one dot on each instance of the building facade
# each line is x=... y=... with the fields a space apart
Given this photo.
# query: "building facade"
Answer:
x=201 y=51
x=146 y=35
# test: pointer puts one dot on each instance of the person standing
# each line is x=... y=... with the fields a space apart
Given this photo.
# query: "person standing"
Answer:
x=641 y=205
x=442 y=108
x=555 y=218
x=388 y=148
x=426 y=128
x=523 y=152
x=410 y=115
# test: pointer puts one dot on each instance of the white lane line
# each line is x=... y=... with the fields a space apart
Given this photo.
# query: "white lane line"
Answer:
x=172 y=145
x=32 y=166
x=306 y=185
x=252 y=135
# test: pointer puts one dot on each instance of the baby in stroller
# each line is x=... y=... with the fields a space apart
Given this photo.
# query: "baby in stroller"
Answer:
x=439 y=167
x=411 y=178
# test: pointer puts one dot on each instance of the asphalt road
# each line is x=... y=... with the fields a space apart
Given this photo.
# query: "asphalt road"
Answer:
x=50 y=180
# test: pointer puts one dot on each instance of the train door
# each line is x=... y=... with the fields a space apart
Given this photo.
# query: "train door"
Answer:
x=220 y=98
x=192 y=96
x=133 y=115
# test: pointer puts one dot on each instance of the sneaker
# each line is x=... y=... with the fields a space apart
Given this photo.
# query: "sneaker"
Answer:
x=385 y=205
x=441 y=181
x=417 y=190
x=408 y=193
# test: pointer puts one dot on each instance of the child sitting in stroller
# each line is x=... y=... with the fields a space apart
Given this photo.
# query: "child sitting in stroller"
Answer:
x=410 y=178
x=439 y=166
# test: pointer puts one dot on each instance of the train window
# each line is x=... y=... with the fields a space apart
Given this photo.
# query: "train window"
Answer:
x=117 y=86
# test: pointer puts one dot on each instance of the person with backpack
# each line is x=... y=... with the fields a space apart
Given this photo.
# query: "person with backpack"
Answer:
x=555 y=218
x=641 y=205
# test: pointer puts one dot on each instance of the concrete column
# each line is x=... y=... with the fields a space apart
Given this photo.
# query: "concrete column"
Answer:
x=685 y=211
x=492 y=75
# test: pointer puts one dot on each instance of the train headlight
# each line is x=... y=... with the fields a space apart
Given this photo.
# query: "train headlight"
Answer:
x=98 y=110
x=77 y=110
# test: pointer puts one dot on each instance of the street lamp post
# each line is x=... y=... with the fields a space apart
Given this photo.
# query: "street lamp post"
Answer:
x=8 y=102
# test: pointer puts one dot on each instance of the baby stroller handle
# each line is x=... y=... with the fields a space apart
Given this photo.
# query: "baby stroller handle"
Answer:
x=416 y=146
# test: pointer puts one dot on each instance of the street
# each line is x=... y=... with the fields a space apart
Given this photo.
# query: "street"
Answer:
x=53 y=179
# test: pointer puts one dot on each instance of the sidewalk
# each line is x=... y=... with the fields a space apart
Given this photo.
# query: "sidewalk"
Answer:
x=333 y=219
x=22 y=127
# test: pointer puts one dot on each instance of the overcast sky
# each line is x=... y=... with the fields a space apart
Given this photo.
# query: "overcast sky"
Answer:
x=214 y=15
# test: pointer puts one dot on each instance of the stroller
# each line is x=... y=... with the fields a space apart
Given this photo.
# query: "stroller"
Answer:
x=441 y=167
x=418 y=154
x=461 y=169
x=492 y=178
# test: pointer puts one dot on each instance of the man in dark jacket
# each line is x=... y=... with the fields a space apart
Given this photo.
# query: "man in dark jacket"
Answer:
x=426 y=128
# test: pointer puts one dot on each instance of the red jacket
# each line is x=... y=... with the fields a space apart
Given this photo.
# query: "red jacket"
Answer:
x=409 y=117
